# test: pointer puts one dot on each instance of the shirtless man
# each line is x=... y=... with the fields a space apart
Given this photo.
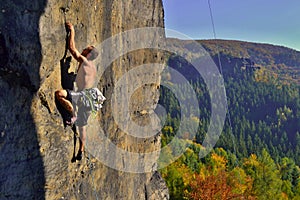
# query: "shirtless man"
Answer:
x=85 y=79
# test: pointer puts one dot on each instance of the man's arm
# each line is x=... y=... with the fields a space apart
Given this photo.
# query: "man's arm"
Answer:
x=72 y=48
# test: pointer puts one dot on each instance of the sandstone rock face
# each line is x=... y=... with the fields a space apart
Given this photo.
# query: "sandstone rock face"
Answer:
x=36 y=148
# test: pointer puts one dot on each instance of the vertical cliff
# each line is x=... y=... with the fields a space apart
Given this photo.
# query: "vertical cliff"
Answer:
x=36 y=148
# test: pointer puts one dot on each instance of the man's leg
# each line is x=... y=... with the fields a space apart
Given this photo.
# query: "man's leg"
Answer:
x=82 y=139
x=61 y=96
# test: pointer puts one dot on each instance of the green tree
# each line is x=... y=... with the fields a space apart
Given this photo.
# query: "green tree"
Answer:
x=266 y=177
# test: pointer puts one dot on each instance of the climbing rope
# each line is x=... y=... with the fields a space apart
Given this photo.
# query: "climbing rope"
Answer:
x=221 y=71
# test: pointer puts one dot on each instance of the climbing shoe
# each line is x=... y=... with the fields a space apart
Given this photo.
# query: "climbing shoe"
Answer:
x=79 y=155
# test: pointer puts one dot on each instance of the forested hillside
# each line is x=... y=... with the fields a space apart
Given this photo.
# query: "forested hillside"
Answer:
x=280 y=61
x=258 y=153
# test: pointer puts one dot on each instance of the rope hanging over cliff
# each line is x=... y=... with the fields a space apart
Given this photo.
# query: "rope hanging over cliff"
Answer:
x=221 y=71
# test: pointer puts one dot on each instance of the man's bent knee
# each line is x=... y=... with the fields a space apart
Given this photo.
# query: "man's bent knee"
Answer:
x=60 y=93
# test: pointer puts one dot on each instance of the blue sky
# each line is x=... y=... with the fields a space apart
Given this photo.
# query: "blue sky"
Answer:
x=264 y=21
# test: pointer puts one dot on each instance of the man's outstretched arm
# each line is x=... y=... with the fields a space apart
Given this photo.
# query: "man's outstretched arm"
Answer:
x=72 y=48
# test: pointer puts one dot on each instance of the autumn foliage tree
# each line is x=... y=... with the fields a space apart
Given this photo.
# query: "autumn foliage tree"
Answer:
x=211 y=187
x=215 y=182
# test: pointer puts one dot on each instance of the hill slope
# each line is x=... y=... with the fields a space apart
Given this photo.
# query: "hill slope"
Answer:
x=277 y=60
x=262 y=94
x=282 y=61
x=259 y=148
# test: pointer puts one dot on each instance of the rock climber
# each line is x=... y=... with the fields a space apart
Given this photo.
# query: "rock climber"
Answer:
x=85 y=99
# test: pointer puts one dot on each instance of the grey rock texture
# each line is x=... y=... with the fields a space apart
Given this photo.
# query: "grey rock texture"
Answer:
x=36 y=149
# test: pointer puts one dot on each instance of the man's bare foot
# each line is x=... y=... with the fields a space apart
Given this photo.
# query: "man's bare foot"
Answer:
x=72 y=121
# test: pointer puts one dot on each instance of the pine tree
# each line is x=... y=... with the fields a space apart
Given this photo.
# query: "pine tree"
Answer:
x=267 y=182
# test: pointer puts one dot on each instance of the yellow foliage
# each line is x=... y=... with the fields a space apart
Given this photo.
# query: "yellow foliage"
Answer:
x=284 y=196
x=252 y=160
x=218 y=161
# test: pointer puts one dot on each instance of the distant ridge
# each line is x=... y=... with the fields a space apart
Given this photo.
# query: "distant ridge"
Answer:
x=283 y=61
